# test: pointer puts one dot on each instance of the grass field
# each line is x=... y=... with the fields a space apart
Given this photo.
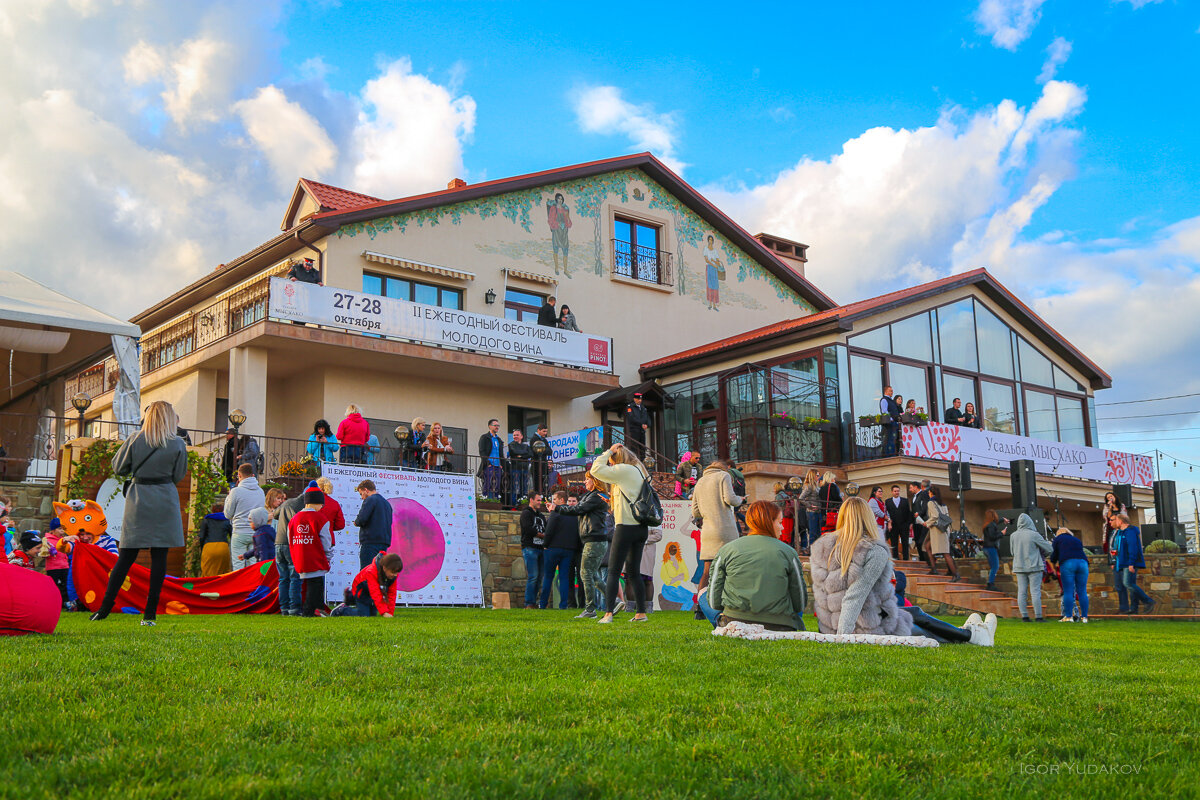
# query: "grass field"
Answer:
x=473 y=703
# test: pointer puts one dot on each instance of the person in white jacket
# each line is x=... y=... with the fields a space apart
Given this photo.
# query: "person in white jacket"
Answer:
x=622 y=470
x=241 y=500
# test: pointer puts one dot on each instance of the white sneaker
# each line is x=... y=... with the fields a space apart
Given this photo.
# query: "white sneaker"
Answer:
x=991 y=623
x=586 y=615
x=974 y=619
x=604 y=620
x=1066 y=619
x=1083 y=620
x=618 y=606
x=981 y=635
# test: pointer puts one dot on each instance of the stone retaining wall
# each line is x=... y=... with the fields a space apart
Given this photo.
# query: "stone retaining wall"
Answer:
x=31 y=509
x=500 y=560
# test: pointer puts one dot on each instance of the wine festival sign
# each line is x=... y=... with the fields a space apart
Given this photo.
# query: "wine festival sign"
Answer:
x=446 y=327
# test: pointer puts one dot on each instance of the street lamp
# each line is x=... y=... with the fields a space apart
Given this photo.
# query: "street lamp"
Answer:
x=237 y=418
x=81 y=401
x=489 y=297
x=403 y=434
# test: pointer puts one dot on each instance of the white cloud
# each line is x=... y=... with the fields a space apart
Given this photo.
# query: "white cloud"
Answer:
x=895 y=206
x=1056 y=55
x=1008 y=22
x=603 y=110
x=410 y=133
x=293 y=142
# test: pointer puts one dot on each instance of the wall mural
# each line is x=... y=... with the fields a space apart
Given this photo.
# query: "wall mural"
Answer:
x=708 y=267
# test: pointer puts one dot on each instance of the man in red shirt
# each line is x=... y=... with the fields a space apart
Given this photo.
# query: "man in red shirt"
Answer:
x=310 y=544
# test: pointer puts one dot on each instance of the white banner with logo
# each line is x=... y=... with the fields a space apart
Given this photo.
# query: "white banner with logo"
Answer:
x=988 y=448
x=434 y=530
x=400 y=319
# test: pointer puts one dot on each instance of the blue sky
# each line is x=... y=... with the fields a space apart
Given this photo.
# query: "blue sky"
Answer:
x=1053 y=142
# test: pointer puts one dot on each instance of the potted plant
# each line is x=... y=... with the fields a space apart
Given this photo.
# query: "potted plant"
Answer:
x=781 y=420
x=914 y=418
x=818 y=424
x=871 y=420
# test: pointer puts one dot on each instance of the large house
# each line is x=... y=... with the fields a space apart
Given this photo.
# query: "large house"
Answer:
x=429 y=308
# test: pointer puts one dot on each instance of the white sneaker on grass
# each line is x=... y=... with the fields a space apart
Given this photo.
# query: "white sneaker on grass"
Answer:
x=1083 y=620
x=604 y=620
x=1066 y=619
x=618 y=607
x=991 y=622
x=981 y=635
x=974 y=619
x=586 y=615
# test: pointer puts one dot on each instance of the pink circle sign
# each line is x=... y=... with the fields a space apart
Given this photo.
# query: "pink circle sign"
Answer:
x=417 y=538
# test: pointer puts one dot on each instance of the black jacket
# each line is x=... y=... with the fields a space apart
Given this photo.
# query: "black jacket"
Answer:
x=214 y=529
x=992 y=533
x=532 y=523
x=485 y=451
x=920 y=507
x=547 y=316
x=899 y=512
x=953 y=416
x=637 y=416
x=519 y=454
x=590 y=510
x=537 y=437
x=562 y=531
x=894 y=410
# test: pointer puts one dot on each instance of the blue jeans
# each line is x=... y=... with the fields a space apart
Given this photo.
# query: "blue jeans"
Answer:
x=352 y=454
x=533 y=571
x=552 y=558
x=1074 y=580
x=367 y=553
x=359 y=609
x=708 y=611
x=993 y=557
x=1136 y=595
x=289 y=581
x=815 y=518
x=1122 y=595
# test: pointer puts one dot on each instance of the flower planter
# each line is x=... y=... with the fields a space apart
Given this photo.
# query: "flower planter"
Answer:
x=821 y=427
x=868 y=422
x=912 y=419
x=776 y=422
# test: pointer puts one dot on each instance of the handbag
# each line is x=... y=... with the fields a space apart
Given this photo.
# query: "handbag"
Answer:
x=647 y=508
x=943 y=518
x=125 y=486
x=830 y=516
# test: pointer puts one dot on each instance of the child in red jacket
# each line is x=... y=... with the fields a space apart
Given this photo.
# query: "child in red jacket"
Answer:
x=373 y=589
x=311 y=546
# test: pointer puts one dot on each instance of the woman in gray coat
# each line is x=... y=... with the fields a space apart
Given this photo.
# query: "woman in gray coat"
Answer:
x=157 y=460
x=1029 y=550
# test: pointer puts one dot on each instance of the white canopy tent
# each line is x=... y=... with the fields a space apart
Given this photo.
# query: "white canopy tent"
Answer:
x=50 y=337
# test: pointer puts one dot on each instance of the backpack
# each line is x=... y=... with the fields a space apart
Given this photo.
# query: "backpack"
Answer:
x=647 y=508
x=943 y=517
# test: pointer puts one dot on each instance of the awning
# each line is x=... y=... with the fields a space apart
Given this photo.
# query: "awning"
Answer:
x=418 y=266
x=619 y=398
x=536 y=277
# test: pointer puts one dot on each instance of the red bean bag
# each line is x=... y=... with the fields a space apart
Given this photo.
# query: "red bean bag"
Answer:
x=29 y=602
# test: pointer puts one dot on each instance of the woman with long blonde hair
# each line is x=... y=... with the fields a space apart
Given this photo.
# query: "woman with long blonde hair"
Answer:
x=155 y=460
x=810 y=498
x=621 y=468
x=854 y=591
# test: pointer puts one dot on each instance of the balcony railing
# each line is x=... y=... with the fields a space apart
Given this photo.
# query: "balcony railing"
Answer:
x=642 y=263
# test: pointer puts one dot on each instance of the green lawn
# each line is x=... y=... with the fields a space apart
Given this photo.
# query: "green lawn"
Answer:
x=461 y=703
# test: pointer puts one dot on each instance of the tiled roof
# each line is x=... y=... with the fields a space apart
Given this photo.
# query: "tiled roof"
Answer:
x=864 y=307
x=334 y=198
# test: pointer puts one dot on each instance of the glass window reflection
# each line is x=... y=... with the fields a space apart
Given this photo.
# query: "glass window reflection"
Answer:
x=1040 y=411
x=995 y=344
x=910 y=338
x=1035 y=367
x=866 y=382
x=957 y=386
x=956 y=334
x=878 y=340
x=998 y=407
x=1070 y=421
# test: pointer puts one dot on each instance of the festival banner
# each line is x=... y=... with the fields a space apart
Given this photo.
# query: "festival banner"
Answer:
x=253 y=590
x=400 y=319
x=677 y=566
x=988 y=448
x=434 y=531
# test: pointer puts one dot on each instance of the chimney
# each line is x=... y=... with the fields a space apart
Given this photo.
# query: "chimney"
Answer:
x=457 y=183
x=794 y=254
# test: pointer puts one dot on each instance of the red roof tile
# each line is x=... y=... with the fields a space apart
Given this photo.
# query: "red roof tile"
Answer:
x=334 y=198
x=863 y=307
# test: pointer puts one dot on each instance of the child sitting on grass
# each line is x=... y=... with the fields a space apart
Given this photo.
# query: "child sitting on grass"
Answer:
x=264 y=535
x=311 y=546
x=373 y=589
x=26 y=554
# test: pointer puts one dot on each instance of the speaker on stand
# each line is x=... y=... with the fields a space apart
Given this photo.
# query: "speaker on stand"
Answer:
x=1024 y=484
x=1124 y=493
x=960 y=482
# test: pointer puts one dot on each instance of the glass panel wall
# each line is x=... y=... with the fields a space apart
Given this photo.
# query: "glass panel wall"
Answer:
x=999 y=412
x=1041 y=415
x=958 y=386
x=879 y=340
x=956 y=333
x=796 y=389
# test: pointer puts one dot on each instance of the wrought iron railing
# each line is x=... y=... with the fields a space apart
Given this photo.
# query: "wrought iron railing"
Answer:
x=642 y=263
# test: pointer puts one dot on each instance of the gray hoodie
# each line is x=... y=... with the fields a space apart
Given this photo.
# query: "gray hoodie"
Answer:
x=241 y=500
x=1029 y=547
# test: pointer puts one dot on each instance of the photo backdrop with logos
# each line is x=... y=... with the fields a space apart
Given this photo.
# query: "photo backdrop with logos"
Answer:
x=434 y=530
x=676 y=558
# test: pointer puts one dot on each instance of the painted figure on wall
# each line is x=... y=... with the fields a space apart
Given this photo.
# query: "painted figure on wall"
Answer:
x=714 y=273
x=559 y=218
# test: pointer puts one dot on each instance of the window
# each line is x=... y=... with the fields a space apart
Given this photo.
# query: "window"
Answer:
x=636 y=252
x=961 y=387
x=997 y=409
x=866 y=385
x=1041 y=414
x=522 y=306
x=1035 y=367
x=526 y=419
x=879 y=340
x=995 y=344
x=1064 y=381
x=412 y=291
x=956 y=335
x=910 y=338
x=1070 y=420
x=911 y=382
